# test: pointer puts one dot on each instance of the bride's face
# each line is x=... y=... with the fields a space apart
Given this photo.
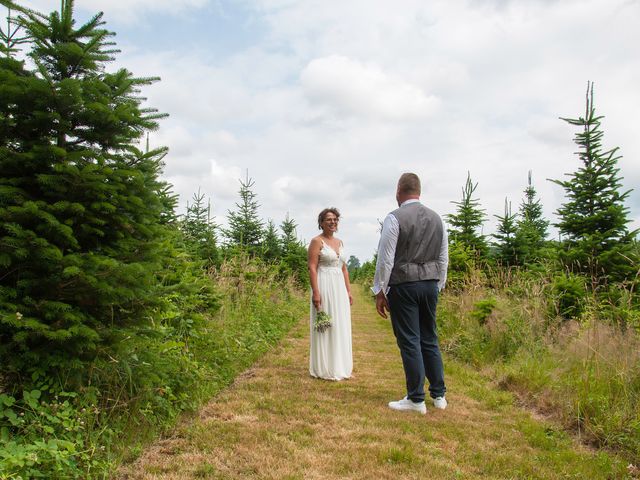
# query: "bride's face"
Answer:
x=330 y=223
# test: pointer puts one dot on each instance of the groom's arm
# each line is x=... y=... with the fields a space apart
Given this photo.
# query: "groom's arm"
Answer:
x=443 y=258
x=384 y=262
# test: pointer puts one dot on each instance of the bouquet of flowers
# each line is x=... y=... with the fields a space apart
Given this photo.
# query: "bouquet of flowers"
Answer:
x=323 y=321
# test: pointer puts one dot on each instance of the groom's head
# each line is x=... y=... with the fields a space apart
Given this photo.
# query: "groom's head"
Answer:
x=408 y=188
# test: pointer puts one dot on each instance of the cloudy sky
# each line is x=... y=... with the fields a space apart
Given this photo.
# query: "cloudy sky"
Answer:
x=326 y=103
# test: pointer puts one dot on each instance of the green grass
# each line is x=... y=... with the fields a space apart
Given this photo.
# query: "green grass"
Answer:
x=585 y=375
x=277 y=422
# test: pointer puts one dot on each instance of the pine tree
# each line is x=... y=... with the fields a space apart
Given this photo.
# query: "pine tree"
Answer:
x=294 y=253
x=168 y=198
x=289 y=239
x=469 y=217
x=271 y=246
x=594 y=220
x=506 y=236
x=199 y=229
x=245 y=229
x=10 y=40
x=531 y=226
x=79 y=202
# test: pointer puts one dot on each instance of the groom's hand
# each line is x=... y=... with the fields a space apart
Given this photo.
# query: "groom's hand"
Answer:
x=382 y=306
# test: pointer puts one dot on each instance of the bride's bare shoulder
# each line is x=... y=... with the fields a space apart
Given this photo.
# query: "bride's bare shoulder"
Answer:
x=315 y=241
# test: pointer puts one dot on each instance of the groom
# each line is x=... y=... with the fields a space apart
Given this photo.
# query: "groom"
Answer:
x=410 y=271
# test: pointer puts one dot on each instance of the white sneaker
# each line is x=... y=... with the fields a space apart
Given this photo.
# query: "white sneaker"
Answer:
x=440 y=402
x=408 y=405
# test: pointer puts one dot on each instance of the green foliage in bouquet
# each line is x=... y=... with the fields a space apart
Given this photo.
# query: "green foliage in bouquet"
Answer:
x=322 y=322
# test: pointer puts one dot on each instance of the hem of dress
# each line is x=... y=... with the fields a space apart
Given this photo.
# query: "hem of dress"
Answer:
x=330 y=379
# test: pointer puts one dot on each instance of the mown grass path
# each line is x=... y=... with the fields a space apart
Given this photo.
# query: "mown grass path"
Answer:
x=275 y=422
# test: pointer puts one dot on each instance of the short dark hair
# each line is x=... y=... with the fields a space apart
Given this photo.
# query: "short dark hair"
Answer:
x=409 y=184
x=324 y=213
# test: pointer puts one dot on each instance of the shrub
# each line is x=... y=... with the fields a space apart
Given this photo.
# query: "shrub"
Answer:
x=482 y=310
x=620 y=305
x=567 y=292
x=462 y=261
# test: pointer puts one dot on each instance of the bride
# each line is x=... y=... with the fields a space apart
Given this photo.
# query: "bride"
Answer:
x=330 y=353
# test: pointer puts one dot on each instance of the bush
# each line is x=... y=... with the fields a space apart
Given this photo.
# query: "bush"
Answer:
x=482 y=310
x=48 y=434
x=462 y=261
x=620 y=305
x=567 y=292
x=194 y=343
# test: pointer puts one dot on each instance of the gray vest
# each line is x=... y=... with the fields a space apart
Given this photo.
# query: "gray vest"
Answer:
x=419 y=243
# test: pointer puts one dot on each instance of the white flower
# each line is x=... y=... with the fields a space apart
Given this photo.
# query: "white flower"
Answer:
x=322 y=322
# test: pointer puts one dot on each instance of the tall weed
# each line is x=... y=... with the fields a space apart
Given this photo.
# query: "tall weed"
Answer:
x=585 y=372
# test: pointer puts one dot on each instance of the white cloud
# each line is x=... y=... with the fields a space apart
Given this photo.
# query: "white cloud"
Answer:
x=126 y=11
x=348 y=87
x=225 y=180
x=332 y=100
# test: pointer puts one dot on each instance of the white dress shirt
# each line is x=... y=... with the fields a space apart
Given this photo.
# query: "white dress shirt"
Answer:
x=387 y=253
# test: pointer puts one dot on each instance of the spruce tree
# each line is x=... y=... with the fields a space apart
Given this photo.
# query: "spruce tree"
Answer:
x=11 y=36
x=294 y=253
x=289 y=239
x=245 y=229
x=79 y=202
x=506 y=252
x=467 y=220
x=271 y=246
x=594 y=220
x=199 y=230
x=531 y=226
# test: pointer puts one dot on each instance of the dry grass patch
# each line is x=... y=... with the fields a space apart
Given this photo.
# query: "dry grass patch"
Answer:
x=276 y=422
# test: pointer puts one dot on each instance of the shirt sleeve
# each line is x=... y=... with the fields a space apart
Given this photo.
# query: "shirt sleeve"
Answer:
x=443 y=258
x=386 y=254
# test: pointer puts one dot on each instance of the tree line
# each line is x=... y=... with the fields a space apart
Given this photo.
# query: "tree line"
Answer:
x=593 y=222
x=246 y=233
x=596 y=252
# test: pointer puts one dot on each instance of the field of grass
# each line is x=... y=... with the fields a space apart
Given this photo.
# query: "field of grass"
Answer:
x=583 y=372
x=275 y=422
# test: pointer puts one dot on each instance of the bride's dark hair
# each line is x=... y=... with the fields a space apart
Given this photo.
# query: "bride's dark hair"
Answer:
x=324 y=213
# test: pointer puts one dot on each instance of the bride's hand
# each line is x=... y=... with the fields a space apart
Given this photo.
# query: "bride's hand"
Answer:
x=350 y=298
x=315 y=299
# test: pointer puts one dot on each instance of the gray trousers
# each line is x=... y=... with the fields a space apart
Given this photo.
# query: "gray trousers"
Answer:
x=413 y=317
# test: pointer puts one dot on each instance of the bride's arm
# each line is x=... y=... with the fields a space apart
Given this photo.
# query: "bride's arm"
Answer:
x=312 y=263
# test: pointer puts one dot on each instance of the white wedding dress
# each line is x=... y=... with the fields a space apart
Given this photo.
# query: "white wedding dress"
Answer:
x=330 y=357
